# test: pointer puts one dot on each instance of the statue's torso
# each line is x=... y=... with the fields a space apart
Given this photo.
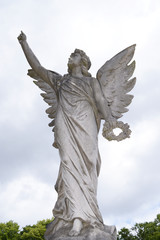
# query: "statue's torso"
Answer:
x=75 y=94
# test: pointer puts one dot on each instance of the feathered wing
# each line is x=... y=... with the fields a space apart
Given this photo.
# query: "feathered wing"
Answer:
x=50 y=95
x=114 y=78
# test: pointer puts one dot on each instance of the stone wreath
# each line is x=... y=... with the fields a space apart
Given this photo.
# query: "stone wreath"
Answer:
x=109 y=134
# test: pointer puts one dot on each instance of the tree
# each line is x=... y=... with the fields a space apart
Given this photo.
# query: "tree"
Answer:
x=148 y=230
x=125 y=234
x=35 y=232
x=9 y=231
x=142 y=231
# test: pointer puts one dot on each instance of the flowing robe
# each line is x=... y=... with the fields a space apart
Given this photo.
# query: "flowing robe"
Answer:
x=77 y=121
x=76 y=134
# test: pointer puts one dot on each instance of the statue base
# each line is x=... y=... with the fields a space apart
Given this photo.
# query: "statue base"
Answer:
x=87 y=233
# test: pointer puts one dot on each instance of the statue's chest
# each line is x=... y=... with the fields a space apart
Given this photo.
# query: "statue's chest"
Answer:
x=75 y=83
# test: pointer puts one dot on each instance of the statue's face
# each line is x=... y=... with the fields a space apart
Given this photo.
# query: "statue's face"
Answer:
x=74 y=60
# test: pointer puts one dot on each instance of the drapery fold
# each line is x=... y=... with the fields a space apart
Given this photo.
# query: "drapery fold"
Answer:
x=76 y=134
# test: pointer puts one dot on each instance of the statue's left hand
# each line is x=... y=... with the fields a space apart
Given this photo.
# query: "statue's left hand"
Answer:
x=22 y=37
x=111 y=123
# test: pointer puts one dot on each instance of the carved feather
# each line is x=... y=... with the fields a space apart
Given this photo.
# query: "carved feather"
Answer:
x=50 y=95
x=114 y=77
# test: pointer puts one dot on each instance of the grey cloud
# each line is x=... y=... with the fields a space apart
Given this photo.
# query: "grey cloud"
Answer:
x=25 y=139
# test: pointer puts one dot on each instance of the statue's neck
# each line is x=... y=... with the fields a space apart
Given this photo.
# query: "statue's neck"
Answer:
x=76 y=72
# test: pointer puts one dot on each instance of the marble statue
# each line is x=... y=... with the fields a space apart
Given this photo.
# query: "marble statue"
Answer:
x=78 y=102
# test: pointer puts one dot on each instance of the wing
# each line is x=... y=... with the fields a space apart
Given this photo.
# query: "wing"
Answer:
x=50 y=95
x=114 y=77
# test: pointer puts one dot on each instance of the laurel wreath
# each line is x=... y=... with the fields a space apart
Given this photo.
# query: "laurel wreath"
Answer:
x=109 y=134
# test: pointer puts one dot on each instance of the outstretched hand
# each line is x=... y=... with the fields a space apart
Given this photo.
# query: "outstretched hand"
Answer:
x=22 y=37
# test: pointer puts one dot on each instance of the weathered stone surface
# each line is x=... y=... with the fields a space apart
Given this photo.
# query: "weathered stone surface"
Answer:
x=88 y=233
x=78 y=102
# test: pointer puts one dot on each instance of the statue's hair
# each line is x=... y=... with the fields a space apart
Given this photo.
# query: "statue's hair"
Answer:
x=85 y=63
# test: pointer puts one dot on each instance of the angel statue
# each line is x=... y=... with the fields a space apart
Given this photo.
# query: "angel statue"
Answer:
x=78 y=102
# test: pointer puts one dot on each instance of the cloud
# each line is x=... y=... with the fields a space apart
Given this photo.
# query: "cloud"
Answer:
x=128 y=173
x=29 y=164
x=27 y=195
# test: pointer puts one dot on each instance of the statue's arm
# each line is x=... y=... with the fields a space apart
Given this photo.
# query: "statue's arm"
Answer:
x=32 y=59
x=102 y=103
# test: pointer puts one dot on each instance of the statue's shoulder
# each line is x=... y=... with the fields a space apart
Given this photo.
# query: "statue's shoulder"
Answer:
x=89 y=79
x=65 y=77
x=92 y=80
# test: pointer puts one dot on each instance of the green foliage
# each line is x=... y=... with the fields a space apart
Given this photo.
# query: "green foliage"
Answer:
x=142 y=231
x=9 y=231
x=125 y=234
x=35 y=232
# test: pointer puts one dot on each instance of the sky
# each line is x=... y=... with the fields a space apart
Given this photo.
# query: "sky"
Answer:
x=128 y=185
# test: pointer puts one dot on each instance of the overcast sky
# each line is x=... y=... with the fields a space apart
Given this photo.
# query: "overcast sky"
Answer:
x=129 y=182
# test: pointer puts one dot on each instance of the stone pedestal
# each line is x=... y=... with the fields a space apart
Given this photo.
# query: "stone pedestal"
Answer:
x=87 y=233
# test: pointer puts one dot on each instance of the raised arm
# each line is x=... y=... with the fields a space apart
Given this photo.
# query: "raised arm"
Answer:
x=32 y=59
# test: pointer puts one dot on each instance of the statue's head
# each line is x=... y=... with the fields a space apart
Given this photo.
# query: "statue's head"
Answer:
x=79 y=58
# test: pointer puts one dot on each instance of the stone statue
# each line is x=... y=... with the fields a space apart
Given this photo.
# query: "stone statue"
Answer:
x=78 y=102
